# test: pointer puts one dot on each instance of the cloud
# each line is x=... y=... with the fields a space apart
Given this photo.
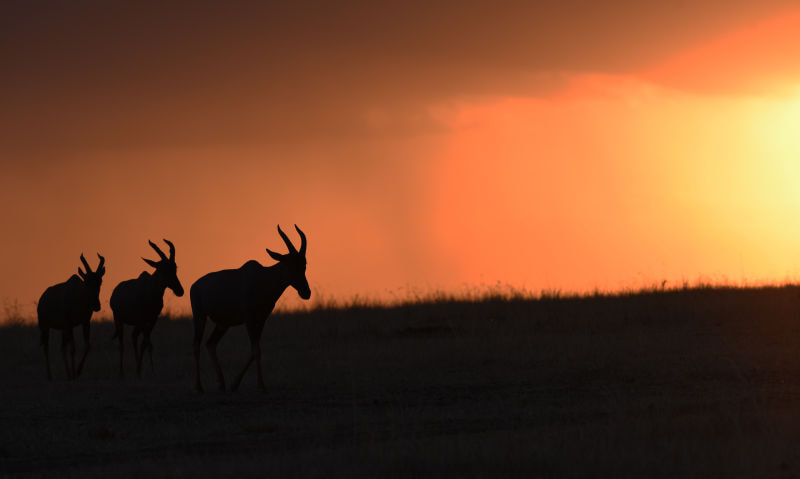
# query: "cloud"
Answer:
x=87 y=74
x=758 y=58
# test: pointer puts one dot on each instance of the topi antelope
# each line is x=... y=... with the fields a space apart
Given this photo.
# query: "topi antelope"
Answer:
x=66 y=305
x=138 y=302
x=245 y=296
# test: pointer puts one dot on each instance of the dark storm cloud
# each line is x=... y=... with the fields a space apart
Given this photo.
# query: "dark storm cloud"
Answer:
x=80 y=75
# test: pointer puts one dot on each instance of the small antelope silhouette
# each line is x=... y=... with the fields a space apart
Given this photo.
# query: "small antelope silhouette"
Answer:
x=138 y=302
x=66 y=305
x=245 y=296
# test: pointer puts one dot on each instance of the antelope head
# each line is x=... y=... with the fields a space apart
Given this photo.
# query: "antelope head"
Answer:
x=294 y=262
x=93 y=280
x=166 y=269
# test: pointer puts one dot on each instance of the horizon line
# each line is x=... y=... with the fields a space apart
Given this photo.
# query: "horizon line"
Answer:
x=469 y=294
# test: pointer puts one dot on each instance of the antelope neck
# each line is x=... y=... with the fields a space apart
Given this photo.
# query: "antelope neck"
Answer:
x=278 y=274
x=155 y=279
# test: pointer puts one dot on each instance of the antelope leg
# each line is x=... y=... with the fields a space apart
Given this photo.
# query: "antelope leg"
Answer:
x=121 y=348
x=238 y=380
x=72 y=357
x=150 y=353
x=199 y=322
x=211 y=345
x=46 y=348
x=86 y=347
x=64 y=353
x=138 y=349
x=197 y=385
x=254 y=328
x=257 y=355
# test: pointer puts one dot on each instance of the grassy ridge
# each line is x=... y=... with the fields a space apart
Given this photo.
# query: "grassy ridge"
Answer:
x=656 y=383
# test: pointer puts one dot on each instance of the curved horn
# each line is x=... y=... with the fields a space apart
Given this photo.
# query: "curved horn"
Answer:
x=150 y=262
x=85 y=264
x=171 y=249
x=303 y=241
x=286 y=240
x=160 y=253
x=102 y=262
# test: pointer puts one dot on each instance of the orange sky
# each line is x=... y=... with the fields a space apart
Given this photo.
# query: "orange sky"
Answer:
x=558 y=146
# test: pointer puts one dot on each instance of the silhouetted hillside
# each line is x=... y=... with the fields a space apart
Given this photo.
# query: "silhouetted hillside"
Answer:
x=701 y=382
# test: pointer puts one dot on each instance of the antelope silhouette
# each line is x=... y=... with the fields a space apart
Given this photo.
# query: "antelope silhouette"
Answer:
x=66 y=305
x=138 y=302
x=245 y=296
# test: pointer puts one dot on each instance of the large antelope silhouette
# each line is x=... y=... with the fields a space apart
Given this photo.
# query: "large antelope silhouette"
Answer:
x=66 y=305
x=138 y=302
x=245 y=296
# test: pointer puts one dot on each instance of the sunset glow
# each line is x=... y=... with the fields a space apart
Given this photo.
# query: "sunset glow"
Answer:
x=620 y=183
x=412 y=164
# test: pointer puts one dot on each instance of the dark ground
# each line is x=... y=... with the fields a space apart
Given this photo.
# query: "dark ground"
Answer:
x=702 y=382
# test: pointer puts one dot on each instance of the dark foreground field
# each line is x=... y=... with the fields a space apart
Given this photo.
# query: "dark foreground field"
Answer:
x=702 y=383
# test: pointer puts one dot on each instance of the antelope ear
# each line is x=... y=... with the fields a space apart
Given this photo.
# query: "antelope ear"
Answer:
x=275 y=256
x=150 y=262
x=81 y=273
